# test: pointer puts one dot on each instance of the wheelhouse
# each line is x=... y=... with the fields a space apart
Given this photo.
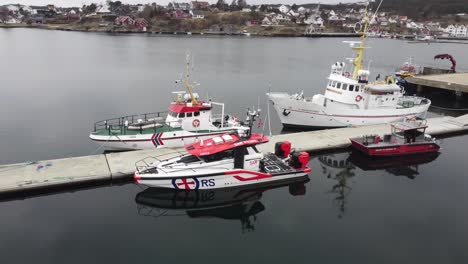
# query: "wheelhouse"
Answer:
x=410 y=131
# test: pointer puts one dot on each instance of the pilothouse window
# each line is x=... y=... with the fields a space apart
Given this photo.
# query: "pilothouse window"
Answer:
x=189 y=114
x=196 y=114
x=338 y=85
x=351 y=88
x=345 y=86
x=181 y=115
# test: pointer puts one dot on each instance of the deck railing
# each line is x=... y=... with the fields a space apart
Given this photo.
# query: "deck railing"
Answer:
x=119 y=122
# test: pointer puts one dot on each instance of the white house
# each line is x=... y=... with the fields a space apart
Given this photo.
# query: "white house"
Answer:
x=103 y=10
x=292 y=13
x=451 y=30
x=412 y=25
x=197 y=14
x=461 y=31
x=282 y=18
x=302 y=10
x=13 y=8
x=269 y=21
x=284 y=9
x=314 y=20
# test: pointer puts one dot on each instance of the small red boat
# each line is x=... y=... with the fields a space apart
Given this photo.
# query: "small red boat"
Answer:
x=407 y=138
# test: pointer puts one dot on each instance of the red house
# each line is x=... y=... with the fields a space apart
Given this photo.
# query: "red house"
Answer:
x=180 y=14
x=125 y=21
x=141 y=24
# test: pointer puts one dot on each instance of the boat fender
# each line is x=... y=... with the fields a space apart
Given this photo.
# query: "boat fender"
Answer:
x=286 y=113
x=282 y=149
x=358 y=98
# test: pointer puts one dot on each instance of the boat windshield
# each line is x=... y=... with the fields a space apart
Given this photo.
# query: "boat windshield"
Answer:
x=409 y=135
x=227 y=154
x=189 y=159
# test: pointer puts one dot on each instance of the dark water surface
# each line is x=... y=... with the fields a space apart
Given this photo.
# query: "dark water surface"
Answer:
x=353 y=210
x=345 y=215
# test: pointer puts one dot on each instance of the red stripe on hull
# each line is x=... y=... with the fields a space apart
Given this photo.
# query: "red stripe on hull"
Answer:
x=141 y=140
x=348 y=116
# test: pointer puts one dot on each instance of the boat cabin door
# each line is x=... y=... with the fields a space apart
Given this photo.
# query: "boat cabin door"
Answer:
x=239 y=155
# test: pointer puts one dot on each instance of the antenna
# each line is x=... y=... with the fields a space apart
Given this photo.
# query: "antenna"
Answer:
x=187 y=83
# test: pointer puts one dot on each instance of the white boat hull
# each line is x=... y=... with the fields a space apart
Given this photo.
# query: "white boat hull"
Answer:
x=300 y=113
x=232 y=178
x=171 y=139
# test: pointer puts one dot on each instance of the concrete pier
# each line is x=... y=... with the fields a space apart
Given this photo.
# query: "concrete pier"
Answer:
x=457 y=82
x=106 y=167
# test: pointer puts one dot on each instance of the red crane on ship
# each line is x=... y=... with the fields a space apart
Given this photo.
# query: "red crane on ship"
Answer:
x=449 y=57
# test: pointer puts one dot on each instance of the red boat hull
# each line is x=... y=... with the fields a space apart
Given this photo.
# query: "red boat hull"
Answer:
x=396 y=150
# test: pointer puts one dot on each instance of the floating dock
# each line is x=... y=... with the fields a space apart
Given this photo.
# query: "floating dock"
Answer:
x=49 y=174
x=457 y=82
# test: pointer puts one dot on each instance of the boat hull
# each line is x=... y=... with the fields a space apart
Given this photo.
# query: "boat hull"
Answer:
x=396 y=150
x=172 y=139
x=234 y=178
x=303 y=114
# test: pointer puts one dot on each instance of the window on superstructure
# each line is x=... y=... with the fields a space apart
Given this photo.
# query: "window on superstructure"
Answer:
x=181 y=115
x=338 y=85
x=345 y=86
x=189 y=114
x=351 y=88
x=333 y=84
x=196 y=114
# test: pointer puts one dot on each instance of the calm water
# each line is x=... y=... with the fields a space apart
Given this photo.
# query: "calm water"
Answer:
x=55 y=84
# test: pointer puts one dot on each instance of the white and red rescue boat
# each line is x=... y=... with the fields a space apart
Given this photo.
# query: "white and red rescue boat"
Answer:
x=229 y=160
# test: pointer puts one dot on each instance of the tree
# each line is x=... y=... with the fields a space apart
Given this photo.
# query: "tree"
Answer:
x=4 y=13
x=89 y=9
x=241 y=3
x=234 y=5
x=221 y=5
x=114 y=5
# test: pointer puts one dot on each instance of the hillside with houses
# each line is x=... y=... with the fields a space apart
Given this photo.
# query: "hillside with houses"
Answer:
x=237 y=17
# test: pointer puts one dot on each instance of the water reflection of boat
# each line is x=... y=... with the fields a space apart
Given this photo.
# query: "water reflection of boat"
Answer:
x=242 y=203
x=339 y=168
x=399 y=166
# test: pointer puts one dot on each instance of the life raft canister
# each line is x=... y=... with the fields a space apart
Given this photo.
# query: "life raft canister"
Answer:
x=282 y=149
x=299 y=160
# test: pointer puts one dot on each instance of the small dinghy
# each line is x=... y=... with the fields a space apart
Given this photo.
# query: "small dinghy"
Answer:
x=230 y=160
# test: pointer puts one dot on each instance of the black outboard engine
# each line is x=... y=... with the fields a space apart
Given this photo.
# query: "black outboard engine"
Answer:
x=299 y=160
x=282 y=149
